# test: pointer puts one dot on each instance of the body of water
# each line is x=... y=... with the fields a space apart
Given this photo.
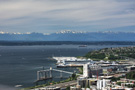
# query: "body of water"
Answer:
x=19 y=64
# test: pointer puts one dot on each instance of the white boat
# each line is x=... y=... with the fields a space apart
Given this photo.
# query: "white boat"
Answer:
x=18 y=86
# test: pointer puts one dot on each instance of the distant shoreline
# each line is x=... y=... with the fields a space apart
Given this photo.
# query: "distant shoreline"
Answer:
x=116 y=53
x=30 y=43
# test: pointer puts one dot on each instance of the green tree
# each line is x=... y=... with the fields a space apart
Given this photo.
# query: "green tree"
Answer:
x=130 y=75
x=73 y=76
x=68 y=88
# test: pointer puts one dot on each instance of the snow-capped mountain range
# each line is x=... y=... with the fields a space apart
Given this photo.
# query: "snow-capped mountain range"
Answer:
x=68 y=35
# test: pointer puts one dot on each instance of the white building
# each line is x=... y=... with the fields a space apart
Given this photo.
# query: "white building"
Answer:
x=85 y=70
x=102 y=84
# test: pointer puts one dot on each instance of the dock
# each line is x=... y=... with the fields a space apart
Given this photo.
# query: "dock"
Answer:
x=47 y=74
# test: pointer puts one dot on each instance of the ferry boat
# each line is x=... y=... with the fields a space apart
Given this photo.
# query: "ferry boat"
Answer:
x=83 y=46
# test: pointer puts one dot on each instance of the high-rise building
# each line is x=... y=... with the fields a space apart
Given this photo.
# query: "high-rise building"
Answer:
x=87 y=71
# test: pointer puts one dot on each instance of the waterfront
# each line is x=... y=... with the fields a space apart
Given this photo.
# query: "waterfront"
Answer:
x=19 y=64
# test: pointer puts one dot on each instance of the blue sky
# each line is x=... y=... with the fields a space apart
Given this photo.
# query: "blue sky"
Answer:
x=48 y=16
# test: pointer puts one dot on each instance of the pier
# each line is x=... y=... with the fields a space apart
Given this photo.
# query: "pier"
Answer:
x=47 y=74
x=44 y=74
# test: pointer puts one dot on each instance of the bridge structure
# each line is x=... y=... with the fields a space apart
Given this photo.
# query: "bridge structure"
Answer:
x=47 y=74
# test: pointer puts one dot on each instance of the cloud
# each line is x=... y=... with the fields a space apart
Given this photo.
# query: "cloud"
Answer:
x=115 y=13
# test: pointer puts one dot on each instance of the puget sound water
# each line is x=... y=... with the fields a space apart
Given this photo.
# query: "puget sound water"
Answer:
x=19 y=64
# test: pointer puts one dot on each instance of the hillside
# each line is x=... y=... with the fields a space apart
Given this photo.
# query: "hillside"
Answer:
x=120 y=53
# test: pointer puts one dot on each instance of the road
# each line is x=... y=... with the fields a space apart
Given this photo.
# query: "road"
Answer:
x=60 y=85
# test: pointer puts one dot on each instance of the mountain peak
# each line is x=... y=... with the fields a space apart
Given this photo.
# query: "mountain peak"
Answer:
x=69 y=31
x=68 y=35
x=1 y=32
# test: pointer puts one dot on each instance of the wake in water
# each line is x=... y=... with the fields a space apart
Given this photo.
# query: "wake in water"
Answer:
x=4 y=87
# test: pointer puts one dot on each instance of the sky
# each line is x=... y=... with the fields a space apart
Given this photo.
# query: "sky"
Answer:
x=48 y=16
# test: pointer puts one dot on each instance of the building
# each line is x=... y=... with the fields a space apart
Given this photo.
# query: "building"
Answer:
x=96 y=70
x=87 y=71
x=101 y=84
x=130 y=68
x=77 y=87
x=86 y=82
x=90 y=70
x=81 y=81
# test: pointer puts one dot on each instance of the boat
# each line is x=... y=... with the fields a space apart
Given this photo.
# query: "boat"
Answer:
x=18 y=86
x=83 y=46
